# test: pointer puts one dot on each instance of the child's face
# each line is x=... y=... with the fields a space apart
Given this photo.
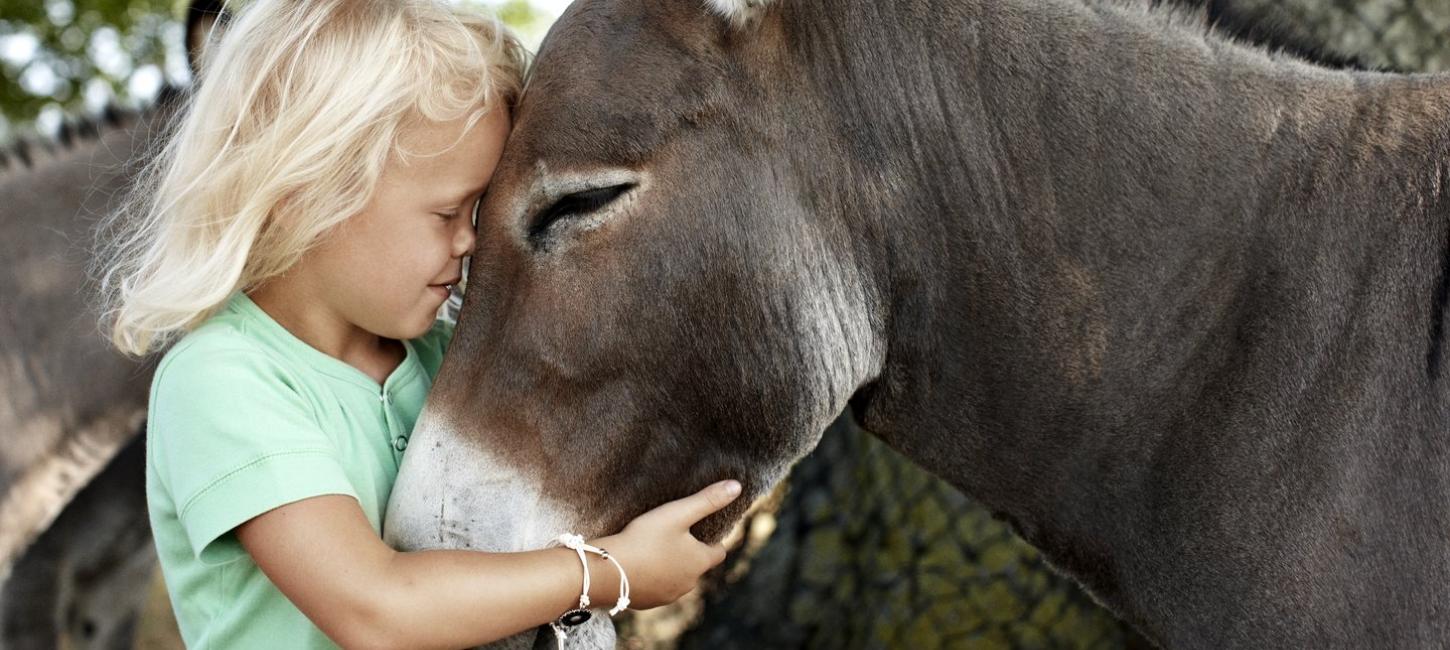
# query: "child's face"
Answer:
x=386 y=268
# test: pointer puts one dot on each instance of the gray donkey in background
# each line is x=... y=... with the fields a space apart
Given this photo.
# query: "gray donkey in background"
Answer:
x=72 y=502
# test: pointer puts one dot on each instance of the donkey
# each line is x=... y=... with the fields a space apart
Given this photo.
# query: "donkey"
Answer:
x=82 y=583
x=1171 y=305
x=68 y=403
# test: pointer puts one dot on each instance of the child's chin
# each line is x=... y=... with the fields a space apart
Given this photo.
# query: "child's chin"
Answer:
x=410 y=327
x=414 y=330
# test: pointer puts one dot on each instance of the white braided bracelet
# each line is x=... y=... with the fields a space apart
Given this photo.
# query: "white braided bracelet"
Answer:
x=577 y=617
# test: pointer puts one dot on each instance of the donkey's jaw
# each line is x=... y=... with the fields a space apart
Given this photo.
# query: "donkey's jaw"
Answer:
x=451 y=494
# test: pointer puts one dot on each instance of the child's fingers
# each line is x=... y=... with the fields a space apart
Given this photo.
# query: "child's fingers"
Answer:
x=701 y=504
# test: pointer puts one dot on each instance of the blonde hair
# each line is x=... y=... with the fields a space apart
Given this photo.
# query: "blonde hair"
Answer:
x=296 y=111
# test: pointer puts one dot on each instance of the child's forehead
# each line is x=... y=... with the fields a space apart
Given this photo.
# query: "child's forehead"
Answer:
x=427 y=138
x=451 y=156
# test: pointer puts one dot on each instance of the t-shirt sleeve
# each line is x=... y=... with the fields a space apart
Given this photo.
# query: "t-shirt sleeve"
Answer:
x=231 y=438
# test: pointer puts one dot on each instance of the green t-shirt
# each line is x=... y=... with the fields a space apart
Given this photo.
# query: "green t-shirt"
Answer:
x=246 y=417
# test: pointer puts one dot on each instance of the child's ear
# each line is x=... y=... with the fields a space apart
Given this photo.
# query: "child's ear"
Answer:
x=204 y=21
x=739 y=12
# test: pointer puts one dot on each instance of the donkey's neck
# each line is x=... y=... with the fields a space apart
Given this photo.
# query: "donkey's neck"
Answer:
x=1156 y=268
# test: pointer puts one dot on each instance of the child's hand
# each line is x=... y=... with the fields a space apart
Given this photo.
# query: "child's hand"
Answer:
x=662 y=559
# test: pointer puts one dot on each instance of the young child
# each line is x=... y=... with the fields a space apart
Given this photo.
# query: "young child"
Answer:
x=298 y=234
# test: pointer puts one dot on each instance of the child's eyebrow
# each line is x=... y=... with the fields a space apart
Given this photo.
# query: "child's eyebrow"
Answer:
x=461 y=197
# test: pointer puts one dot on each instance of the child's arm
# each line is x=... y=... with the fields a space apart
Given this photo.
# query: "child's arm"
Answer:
x=323 y=555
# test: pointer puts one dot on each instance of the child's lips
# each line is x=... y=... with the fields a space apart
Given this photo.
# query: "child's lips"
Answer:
x=444 y=289
x=448 y=285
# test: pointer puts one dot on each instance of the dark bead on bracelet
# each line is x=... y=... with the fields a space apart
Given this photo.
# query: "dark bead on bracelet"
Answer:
x=575 y=617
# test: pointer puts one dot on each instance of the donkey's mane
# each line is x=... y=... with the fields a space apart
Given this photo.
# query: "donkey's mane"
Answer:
x=26 y=153
x=1219 y=21
x=1259 y=29
x=1271 y=29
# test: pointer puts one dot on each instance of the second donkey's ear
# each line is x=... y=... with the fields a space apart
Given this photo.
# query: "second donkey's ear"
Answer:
x=204 y=21
x=738 y=12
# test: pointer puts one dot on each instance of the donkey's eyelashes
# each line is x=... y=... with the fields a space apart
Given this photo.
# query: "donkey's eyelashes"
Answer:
x=574 y=204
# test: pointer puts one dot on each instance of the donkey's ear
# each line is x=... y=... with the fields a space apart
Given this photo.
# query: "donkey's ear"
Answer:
x=738 y=12
x=204 y=21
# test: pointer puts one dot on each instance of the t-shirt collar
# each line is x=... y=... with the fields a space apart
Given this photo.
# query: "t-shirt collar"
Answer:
x=242 y=304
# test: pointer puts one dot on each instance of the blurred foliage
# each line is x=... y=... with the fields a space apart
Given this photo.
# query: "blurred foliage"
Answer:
x=53 y=53
x=64 y=57
x=529 y=21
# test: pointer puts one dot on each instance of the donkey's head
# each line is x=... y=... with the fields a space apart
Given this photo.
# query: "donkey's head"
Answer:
x=662 y=295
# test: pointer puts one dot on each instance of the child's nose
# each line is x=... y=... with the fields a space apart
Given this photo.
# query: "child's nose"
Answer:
x=465 y=238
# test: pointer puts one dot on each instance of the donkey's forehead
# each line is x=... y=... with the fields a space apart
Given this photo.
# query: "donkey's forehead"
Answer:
x=609 y=28
x=614 y=77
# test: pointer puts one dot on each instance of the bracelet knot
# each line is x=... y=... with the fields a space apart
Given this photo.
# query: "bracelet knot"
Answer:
x=576 y=617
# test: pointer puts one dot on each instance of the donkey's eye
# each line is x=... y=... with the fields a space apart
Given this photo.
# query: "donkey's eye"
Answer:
x=577 y=204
